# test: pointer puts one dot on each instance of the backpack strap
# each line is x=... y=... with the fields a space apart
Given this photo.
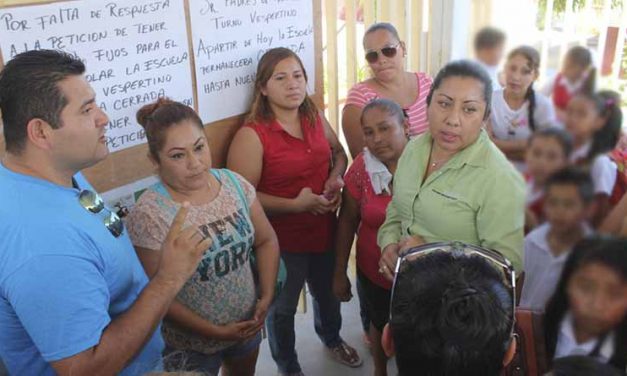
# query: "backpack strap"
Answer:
x=530 y=356
x=236 y=183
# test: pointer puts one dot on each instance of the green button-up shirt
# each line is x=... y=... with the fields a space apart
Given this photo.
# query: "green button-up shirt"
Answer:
x=477 y=197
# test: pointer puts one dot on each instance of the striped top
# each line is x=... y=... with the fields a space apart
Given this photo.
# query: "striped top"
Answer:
x=360 y=94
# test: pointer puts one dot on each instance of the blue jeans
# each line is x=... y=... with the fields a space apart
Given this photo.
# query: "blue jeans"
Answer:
x=206 y=364
x=363 y=311
x=317 y=270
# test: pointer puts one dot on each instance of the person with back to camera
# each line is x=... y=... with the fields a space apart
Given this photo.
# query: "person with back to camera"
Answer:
x=215 y=321
x=385 y=54
x=74 y=299
x=451 y=312
x=489 y=44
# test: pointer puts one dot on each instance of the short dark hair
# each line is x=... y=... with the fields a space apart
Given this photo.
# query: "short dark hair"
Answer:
x=579 y=55
x=29 y=89
x=488 y=37
x=465 y=68
x=386 y=105
x=563 y=138
x=576 y=177
x=580 y=365
x=451 y=315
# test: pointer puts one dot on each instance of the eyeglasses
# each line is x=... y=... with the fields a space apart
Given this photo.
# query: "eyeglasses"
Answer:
x=93 y=203
x=389 y=51
x=459 y=248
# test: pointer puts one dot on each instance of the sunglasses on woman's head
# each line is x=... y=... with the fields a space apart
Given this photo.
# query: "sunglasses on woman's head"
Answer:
x=457 y=248
x=93 y=203
x=389 y=51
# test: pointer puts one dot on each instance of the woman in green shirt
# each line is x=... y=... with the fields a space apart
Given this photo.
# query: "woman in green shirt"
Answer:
x=453 y=183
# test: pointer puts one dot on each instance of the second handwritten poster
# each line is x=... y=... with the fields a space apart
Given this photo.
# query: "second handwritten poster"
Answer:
x=135 y=51
x=230 y=36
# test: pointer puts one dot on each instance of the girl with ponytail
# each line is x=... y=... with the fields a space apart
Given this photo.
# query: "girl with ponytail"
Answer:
x=577 y=76
x=517 y=109
x=594 y=121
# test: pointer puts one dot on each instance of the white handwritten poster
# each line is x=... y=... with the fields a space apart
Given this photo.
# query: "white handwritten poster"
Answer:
x=230 y=36
x=135 y=51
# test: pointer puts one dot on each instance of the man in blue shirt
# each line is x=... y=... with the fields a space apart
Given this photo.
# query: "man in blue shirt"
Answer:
x=74 y=298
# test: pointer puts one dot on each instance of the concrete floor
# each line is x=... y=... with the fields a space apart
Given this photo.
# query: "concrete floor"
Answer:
x=312 y=356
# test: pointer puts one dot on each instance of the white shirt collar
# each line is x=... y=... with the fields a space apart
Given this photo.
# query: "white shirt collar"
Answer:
x=567 y=344
x=540 y=238
x=572 y=87
x=581 y=152
x=380 y=176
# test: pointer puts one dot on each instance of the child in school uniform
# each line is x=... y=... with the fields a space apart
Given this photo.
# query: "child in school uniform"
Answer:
x=576 y=76
x=587 y=315
x=569 y=195
x=517 y=110
x=594 y=121
x=548 y=151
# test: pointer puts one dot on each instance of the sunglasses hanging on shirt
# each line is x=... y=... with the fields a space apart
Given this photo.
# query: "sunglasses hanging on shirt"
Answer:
x=93 y=203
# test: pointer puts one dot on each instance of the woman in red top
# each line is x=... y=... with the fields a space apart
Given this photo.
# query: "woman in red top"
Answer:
x=364 y=201
x=288 y=151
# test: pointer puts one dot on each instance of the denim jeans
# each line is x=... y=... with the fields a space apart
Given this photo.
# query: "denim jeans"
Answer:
x=206 y=364
x=363 y=311
x=317 y=270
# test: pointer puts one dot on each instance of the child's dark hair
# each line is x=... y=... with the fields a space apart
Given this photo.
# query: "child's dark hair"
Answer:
x=563 y=138
x=386 y=105
x=581 y=56
x=573 y=176
x=607 y=106
x=611 y=254
x=533 y=61
x=579 y=365
x=488 y=37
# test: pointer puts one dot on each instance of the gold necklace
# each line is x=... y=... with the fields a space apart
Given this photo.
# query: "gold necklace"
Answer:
x=435 y=163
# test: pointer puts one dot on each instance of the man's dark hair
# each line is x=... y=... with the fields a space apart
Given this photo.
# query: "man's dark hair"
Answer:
x=576 y=177
x=450 y=315
x=29 y=89
x=488 y=37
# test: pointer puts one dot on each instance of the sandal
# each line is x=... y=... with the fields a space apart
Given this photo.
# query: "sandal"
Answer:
x=346 y=355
